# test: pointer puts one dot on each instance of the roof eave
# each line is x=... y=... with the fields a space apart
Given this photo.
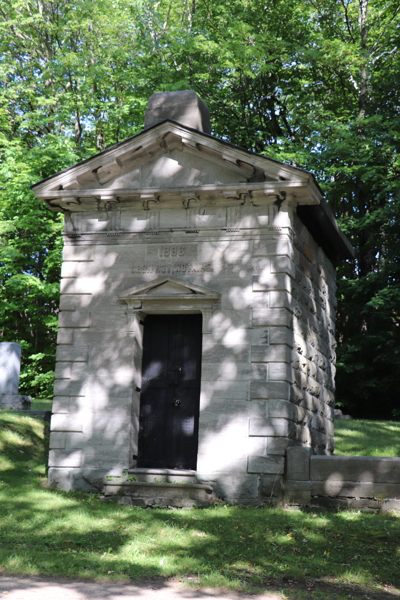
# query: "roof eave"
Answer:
x=322 y=225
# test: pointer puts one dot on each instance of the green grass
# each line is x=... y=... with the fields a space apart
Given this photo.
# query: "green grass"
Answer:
x=367 y=438
x=53 y=533
x=41 y=404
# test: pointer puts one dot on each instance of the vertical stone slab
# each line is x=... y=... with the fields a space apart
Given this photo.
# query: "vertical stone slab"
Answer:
x=298 y=463
x=10 y=355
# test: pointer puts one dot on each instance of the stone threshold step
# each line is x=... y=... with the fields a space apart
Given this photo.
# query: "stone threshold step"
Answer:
x=163 y=475
x=151 y=493
x=132 y=485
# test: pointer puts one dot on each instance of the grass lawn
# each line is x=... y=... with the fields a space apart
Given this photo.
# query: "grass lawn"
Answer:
x=41 y=404
x=53 y=533
x=367 y=438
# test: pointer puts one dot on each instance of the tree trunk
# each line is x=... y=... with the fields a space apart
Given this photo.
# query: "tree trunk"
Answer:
x=361 y=193
x=364 y=53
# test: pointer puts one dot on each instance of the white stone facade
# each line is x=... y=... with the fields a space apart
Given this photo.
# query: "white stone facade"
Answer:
x=174 y=229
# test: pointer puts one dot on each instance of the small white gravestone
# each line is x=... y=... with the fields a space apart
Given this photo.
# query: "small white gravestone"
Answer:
x=10 y=354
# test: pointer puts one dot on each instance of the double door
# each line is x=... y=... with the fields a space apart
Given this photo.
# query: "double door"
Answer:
x=169 y=402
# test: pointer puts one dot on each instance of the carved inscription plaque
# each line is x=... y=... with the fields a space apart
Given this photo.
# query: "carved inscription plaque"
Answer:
x=191 y=268
x=172 y=252
x=173 y=268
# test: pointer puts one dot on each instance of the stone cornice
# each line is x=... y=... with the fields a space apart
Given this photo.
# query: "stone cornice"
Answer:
x=297 y=192
x=94 y=183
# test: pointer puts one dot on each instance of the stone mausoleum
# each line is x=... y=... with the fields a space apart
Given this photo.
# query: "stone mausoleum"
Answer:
x=197 y=315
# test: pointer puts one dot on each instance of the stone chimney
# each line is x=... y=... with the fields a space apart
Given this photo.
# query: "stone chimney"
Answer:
x=183 y=107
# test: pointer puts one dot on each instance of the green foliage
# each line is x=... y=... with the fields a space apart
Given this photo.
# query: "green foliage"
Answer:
x=369 y=323
x=310 y=82
x=30 y=256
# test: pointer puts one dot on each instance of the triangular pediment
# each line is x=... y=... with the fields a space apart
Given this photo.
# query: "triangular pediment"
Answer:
x=170 y=165
x=168 y=156
x=168 y=287
x=176 y=168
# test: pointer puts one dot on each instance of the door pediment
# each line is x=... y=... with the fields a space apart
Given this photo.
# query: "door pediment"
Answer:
x=169 y=289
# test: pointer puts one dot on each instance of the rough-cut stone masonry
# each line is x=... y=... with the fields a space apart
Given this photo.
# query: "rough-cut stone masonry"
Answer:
x=314 y=357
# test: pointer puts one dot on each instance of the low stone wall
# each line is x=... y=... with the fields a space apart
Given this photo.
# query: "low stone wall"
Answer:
x=359 y=482
x=15 y=401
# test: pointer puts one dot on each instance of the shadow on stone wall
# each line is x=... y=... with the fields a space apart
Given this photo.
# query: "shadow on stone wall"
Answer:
x=96 y=405
x=358 y=482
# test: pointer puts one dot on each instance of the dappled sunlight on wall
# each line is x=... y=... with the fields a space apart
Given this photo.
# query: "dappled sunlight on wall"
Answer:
x=244 y=430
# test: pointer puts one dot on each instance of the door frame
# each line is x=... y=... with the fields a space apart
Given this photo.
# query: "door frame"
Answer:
x=171 y=414
x=139 y=303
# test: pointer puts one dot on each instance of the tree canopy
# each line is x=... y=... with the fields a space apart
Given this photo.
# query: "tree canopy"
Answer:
x=310 y=82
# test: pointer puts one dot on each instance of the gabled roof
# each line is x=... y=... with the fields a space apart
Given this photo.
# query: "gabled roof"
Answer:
x=170 y=159
x=126 y=150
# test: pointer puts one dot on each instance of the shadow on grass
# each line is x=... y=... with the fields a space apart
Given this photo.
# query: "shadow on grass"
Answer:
x=52 y=533
x=20 y=434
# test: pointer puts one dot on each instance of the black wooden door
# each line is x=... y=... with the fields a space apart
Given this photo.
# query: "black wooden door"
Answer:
x=169 y=402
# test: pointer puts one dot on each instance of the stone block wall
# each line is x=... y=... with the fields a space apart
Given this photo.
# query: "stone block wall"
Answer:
x=356 y=482
x=314 y=357
x=267 y=354
x=91 y=421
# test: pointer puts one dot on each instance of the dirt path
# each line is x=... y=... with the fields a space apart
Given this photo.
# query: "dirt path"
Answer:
x=41 y=588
